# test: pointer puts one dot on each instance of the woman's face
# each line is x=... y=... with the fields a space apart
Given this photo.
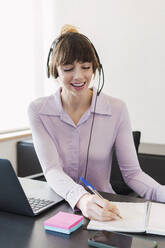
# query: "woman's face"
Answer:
x=75 y=77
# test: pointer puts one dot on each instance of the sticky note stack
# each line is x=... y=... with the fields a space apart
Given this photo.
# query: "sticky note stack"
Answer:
x=64 y=222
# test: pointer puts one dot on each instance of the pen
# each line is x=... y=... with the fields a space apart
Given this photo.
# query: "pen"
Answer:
x=89 y=186
x=92 y=188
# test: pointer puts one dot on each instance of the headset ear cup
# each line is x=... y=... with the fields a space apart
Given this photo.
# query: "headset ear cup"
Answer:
x=55 y=73
x=48 y=72
x=48 y=66
x=48 y=59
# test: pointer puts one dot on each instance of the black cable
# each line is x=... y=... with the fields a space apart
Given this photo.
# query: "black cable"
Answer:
x=90 y=136
x=99 y=91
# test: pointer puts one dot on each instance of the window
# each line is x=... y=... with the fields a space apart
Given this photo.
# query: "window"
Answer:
x=18 y=50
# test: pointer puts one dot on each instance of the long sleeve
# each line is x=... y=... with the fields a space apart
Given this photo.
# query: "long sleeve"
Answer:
x=51 y=162
x=139 y=181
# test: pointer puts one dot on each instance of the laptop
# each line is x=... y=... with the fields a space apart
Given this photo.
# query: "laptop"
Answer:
x=24 y=196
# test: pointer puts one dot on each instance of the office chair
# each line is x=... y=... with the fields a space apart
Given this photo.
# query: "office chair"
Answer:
x=116 y=178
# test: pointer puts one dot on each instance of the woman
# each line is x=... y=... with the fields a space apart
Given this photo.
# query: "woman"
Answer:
x=61 y=127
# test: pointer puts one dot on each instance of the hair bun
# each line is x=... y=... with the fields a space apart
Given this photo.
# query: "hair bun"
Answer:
x=68 y=28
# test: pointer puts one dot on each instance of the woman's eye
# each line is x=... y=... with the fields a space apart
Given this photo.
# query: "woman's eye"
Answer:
x=86 y=67
x=68 y=69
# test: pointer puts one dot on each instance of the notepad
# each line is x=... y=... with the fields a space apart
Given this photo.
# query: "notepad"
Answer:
x=146 y=217
x=64 y=222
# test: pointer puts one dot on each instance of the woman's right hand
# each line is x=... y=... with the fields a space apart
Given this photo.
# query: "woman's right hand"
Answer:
x=93 y=207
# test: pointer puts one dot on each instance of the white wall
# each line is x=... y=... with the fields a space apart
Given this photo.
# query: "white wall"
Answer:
x=129 y=37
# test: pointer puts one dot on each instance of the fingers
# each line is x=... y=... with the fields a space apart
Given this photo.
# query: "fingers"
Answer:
x=105 y=204
x=97 y=210
x=111 y=206
x=93 y=207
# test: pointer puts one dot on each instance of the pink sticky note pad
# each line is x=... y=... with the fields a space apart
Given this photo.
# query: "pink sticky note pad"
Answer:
x=63 y=220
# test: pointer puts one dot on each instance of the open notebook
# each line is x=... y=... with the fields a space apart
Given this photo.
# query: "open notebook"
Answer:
x=146 y=217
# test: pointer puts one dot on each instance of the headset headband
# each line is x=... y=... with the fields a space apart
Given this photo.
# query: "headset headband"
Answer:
x=54 y=44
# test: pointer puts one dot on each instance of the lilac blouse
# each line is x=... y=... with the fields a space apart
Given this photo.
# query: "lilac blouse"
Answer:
x=61 y=147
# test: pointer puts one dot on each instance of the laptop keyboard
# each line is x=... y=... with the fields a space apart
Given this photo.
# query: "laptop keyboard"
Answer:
x=37 y=203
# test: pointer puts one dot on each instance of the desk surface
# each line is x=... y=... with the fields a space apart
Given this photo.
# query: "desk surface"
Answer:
x=18 y=231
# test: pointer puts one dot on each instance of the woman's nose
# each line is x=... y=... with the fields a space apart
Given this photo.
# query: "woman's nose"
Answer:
x=78 y=74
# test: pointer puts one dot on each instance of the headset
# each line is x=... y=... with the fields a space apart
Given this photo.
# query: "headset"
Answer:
x=99 y=89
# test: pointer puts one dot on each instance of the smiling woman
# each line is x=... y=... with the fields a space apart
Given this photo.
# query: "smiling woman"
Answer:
x=76 y=130
x=73 y=61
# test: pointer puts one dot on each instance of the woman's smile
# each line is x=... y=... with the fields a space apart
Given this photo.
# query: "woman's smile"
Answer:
x=78 y=85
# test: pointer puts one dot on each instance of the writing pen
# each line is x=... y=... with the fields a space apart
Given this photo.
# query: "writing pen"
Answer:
x=92 y=188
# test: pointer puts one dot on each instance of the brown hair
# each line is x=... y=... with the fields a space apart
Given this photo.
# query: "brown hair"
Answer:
x=72 y=46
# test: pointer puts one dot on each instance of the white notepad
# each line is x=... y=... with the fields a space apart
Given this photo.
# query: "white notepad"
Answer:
x=146 y=217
